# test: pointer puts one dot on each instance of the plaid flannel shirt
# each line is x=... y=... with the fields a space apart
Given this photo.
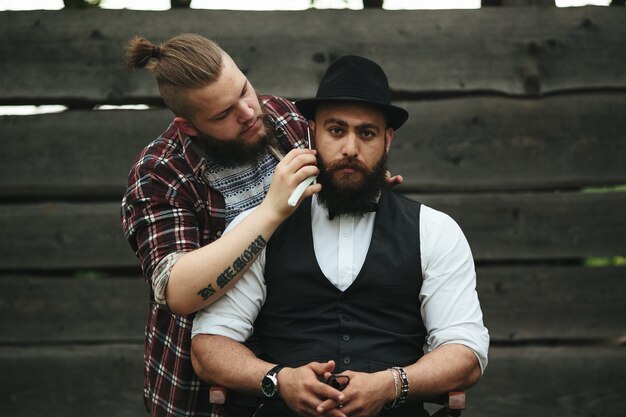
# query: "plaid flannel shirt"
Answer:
x=169 y=208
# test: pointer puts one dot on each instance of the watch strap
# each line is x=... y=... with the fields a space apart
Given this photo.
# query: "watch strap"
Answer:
x=275 y=370
x=271 y=375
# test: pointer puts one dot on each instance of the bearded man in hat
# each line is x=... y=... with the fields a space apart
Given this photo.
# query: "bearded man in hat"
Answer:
x=363 y=301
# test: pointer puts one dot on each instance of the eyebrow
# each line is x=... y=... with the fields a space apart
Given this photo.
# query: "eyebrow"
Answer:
x=226 y=110
x=362 y=126
x=333 y=120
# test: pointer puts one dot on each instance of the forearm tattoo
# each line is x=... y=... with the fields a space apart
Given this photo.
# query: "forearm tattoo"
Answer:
x=240 y=263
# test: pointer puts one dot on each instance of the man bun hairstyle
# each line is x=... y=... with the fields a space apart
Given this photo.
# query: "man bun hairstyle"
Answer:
x=139 y=52
x=182 y=63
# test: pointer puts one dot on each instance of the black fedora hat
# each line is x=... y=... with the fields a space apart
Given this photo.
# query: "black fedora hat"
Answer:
x=354 y=78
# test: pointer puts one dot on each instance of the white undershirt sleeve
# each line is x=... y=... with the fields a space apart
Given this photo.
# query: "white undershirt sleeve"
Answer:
x=449 y=301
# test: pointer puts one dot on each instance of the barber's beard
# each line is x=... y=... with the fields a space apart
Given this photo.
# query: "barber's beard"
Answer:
x=347 y=195
x=234 y=153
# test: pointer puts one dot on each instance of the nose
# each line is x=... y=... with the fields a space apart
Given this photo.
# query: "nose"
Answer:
x=246 y=111
x=350 y=145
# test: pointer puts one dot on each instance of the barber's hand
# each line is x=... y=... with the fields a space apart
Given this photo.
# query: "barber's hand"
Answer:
x=395 y=180
x=295 y=167
x=302 y=389
x=365 y=395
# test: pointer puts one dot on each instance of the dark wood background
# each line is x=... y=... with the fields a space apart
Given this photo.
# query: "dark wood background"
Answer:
x=517 y=129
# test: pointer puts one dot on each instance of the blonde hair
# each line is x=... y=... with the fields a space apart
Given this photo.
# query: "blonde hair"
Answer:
x=182 y=63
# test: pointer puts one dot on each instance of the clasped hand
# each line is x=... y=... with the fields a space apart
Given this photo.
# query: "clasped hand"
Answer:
x=306 y=391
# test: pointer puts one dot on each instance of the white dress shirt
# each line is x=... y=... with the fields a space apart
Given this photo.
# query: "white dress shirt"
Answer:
x=449 y=303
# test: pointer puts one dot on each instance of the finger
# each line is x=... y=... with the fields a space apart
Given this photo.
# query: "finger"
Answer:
x=311 y=189
x=395 y=180
x=330 y=394
x=322 y=367
x=329 y=366
x=302 y=161
x=334 y=412
x=305 y=172
x=294 y=153
x=330 y=408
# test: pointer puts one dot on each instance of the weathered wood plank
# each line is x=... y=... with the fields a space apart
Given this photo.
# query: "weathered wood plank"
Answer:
x=523 y=3
x=63 y=235
x=527 y=226
x=499 y=227
x=469 y=144
x=552 y=303
x=89 y=153
x=571 y=381
x=39 y=309
x=519 y=382
x=478 y=143
x=76 y=55
x=519 y=304
x=61 y=381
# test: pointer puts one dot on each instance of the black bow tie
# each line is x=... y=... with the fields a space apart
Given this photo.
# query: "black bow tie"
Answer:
x=369 y=208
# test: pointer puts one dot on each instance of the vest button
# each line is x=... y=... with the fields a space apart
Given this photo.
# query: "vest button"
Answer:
x=345 y=337
x=347 y=360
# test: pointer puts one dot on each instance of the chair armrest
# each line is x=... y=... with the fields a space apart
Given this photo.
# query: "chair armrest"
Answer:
x=456 y=400
x=217 y=395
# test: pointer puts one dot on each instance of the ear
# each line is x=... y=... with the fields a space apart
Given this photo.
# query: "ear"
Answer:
x=312 y=128
x=388 y=138
x=185 y=126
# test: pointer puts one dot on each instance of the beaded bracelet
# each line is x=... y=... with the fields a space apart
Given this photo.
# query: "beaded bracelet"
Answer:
x=404 y=391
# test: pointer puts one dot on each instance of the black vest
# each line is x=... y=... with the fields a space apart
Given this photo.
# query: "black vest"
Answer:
x=373 y=325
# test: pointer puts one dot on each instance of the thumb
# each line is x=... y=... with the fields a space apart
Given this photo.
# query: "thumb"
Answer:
x=321 y=368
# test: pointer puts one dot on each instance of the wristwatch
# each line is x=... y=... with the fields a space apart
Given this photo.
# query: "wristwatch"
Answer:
x=269 y=384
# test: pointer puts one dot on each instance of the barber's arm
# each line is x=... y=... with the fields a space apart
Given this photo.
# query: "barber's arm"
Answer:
x=200 y=277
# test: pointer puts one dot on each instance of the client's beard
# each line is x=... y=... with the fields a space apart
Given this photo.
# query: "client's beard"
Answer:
x=234 y=153
x=349 y=197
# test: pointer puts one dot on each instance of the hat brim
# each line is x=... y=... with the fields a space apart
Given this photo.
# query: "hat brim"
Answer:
x=396 y=116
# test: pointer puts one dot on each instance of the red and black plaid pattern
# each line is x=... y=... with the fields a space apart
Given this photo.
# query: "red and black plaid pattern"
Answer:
x=168 y=208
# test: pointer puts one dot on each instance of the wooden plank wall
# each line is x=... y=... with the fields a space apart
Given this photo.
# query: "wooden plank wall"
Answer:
x=517 y=129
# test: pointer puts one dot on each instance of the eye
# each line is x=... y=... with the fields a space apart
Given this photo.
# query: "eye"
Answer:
x=221 y=116
x=335 y=131
x=368 y=134
x=246 y=89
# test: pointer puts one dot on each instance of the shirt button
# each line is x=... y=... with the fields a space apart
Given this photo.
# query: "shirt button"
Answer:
x=347 y=360
x=219 y=234
x=345 y=337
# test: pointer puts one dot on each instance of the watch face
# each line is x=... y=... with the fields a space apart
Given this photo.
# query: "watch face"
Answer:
x=268 y=386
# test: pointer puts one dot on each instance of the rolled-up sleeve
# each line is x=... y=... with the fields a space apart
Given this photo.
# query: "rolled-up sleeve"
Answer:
x=449 y=302
x=233 y=315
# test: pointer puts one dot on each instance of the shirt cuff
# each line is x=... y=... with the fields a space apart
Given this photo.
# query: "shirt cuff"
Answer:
x=161 y=276
x=207 y=323
x=477 y=341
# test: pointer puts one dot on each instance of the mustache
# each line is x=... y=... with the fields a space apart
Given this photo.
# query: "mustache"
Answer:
x=348 y=162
